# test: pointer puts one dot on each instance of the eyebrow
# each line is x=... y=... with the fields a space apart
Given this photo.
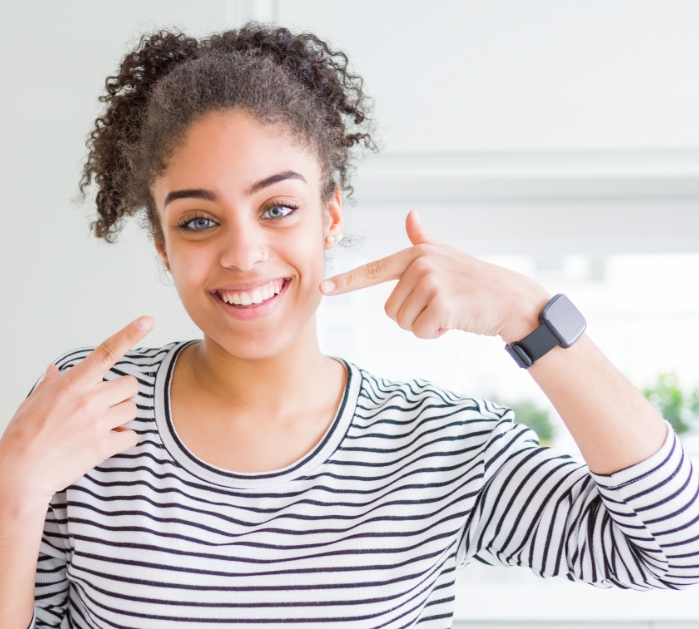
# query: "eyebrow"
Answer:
x=289 y=174
x=189 y=194
x=210 y=196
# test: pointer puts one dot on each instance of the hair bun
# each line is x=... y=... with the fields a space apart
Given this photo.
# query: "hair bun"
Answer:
x=292 y=79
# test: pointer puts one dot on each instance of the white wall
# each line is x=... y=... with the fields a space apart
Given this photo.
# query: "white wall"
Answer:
x=449 y=77
x=507 y=75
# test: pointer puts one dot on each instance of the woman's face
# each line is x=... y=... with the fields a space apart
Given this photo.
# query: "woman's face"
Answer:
x=244 y=231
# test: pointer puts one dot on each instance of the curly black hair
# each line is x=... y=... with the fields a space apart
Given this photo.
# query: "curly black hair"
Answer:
x=171 y=80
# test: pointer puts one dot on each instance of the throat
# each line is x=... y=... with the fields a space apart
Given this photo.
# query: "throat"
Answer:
x=265 y=430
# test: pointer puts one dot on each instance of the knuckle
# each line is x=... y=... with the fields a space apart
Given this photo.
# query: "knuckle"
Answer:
x=82 y=403
x=373 y=269
x=404 y=323
x=105 y=353
x=348 y=279
x=71 y=393
x=430 y=285
x=351 y=277
x=422 y=330
x=422 y=265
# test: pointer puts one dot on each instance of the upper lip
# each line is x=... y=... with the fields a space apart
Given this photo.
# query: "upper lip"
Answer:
x=245 y=286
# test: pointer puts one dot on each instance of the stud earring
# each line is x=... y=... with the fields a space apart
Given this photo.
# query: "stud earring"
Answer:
x=330 y=239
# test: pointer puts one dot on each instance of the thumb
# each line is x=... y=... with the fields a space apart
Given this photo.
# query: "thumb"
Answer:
x=416 y=231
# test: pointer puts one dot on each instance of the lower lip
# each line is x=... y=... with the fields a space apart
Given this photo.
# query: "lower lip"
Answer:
x=254 y=311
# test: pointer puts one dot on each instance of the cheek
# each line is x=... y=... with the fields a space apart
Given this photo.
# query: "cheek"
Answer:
x=308 y=254
x=188 y=268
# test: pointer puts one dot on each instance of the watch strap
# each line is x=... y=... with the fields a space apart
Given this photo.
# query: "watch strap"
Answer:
x=533 y=346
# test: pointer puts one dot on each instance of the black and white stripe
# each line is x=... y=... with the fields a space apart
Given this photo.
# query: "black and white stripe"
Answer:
x=368 y=531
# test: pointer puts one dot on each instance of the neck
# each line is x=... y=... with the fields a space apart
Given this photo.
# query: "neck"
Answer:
x=271 y=387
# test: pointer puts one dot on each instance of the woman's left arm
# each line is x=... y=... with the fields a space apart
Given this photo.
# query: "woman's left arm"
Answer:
x=440 y=288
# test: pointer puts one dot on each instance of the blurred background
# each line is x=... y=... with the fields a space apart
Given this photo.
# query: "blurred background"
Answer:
x=557 y=138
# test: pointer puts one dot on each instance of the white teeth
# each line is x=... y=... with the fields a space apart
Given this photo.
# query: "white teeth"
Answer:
x=254 y=296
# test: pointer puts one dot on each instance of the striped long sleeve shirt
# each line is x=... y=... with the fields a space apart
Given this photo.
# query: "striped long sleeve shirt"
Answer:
x=368 y=530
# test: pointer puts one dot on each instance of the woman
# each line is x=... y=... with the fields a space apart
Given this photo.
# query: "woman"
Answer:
x=248 y=480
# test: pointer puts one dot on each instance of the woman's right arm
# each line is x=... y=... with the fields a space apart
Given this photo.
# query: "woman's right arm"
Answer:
x=70 y=423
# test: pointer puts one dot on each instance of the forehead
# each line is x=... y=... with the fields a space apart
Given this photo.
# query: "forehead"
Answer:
x=233 y=150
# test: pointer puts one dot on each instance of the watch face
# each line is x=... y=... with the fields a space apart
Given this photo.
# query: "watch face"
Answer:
x=564 y=320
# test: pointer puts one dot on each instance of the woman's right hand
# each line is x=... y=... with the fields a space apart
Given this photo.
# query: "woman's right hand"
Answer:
x=72 y=421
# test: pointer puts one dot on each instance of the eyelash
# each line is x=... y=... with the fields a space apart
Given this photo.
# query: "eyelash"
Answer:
x=281 y=204
x=184 y=223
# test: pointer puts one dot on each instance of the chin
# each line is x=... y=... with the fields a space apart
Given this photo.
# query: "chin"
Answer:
x=254 y=349
x=263 y=340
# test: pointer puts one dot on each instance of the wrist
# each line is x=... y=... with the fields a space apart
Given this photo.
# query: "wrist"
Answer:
x=18 y=496
x=523 y=316
x=18 y=490
x=20 y=511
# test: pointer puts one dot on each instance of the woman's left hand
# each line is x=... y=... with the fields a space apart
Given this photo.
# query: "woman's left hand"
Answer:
x=441 y=288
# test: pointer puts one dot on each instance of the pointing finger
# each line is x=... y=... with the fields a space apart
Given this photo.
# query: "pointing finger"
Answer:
x=107 y=353
x=376 y=272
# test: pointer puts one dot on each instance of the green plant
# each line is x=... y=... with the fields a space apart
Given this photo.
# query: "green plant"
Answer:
x=679 y=408
x=527 y=413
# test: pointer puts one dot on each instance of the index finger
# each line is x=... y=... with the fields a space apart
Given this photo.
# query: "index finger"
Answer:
x=376 y=272
x=107 y=353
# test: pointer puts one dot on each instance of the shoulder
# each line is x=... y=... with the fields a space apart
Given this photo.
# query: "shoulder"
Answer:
x=142 y=360
x=419 y=414
x=419 y=400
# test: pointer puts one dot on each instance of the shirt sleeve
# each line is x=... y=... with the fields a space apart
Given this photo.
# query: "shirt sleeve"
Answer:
x=51 y=591
x=637 y=528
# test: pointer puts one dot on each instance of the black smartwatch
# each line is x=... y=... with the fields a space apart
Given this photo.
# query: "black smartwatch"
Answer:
x=561 y=325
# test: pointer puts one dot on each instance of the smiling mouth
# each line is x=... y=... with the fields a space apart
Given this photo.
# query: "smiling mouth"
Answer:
x=253 y=297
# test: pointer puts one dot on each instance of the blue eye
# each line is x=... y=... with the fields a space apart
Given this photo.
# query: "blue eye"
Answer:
x=200 y=223
x=278 y=211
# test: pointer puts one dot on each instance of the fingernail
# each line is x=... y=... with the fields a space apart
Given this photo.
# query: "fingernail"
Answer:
x=327 y=286
x=144 y=323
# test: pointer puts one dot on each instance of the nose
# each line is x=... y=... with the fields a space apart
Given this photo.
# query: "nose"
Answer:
x=243 y=247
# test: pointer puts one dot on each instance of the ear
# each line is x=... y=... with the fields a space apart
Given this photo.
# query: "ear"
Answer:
x=162 y=252
x=334 y=224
